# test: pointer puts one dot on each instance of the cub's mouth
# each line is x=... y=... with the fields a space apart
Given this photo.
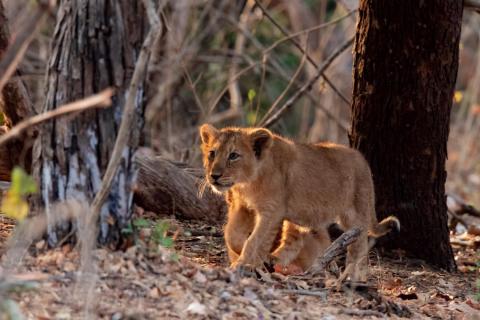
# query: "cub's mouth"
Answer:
x=221 y=187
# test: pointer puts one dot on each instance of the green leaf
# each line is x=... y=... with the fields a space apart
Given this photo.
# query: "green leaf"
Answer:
x=251 y=118
x=14 y=206
x=141 y=223
x=128 y=229
x=2 y=118
x=167 y=242
x=22 y=183
x=251 y=95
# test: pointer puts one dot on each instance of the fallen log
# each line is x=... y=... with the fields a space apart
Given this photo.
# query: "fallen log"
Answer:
x=168 y=187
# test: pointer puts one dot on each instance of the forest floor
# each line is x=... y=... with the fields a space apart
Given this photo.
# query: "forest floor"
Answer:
x=191 y=281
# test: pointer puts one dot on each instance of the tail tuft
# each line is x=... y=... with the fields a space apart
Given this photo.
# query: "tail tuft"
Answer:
x=386 y=225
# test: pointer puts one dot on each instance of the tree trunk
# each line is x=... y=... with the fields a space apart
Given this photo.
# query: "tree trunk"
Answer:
x=406 y=61
x=16 y=105
x=95 y=46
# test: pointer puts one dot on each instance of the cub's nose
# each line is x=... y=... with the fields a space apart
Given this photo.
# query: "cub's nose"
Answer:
x=215 y=176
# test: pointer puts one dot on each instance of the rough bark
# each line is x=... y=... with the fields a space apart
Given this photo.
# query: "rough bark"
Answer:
x=167 y=187
x=95 y=46
x=16 y=105
x=405 y=66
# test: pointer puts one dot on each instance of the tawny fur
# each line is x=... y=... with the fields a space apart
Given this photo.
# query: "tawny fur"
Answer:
x=275 y=183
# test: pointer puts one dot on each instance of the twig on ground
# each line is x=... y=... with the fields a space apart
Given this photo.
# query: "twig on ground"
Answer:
x=362 y=313
x=99 y=100
x=289 y=103
x=16 y=50
x=291 y=38
x=317 y=293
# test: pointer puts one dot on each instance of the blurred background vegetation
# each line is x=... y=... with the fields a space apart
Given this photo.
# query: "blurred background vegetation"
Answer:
x=226 y=62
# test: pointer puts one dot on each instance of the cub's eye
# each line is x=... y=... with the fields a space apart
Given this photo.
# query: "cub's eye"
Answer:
x=211 y=154
x=233 y=156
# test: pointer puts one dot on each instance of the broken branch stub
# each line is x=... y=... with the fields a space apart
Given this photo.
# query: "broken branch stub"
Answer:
x=337 y=247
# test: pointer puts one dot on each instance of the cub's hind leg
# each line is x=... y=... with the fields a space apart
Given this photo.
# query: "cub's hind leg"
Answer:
x=240 y=223
x=299 y=248
x=356 y=266
x=315 y=244
x=291 y=243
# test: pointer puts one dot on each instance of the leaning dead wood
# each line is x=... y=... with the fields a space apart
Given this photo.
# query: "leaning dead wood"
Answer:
x=337 y=247
x=458 y=206
x=167 y=187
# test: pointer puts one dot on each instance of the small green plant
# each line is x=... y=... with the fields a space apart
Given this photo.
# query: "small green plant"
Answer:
x=8 y=306
x=159 y=234
x=15 y=204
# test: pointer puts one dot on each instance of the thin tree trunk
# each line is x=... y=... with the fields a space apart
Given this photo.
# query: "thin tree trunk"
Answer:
x=95 y=46
x=16 y=105
x=406 y=61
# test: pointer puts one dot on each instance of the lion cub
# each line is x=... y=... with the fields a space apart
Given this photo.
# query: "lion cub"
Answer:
x=273 y=183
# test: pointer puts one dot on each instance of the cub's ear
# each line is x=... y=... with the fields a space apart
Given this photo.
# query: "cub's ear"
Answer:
x=208 y=133
x=261 y=140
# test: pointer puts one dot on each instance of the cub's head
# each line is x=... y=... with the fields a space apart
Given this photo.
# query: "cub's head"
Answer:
x=233 y=155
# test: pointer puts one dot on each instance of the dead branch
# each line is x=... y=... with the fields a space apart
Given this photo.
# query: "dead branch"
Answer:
x=290 y=83
x=230 y=113
x=460 y=207
x=16 y=50
x=317 y=293
x=362 y=313
x=296 y=44
x=280 y=71
x=472 y=5
x=289 y=103
x=337 y=247
x=99 y=100
x=167 y=187
x=233 y=88
x=454 y=219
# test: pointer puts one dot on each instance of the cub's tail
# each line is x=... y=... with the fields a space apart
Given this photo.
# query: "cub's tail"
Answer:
x=383 y=227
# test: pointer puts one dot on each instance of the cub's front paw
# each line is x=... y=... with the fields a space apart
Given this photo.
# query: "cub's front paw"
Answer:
x=244 y=268
x=245 y=271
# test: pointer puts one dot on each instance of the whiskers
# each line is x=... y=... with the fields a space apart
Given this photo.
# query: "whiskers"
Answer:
x=201 y=187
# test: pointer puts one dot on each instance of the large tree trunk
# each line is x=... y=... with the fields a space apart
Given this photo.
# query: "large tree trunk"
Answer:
x=406 y=61
x=95 y=46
